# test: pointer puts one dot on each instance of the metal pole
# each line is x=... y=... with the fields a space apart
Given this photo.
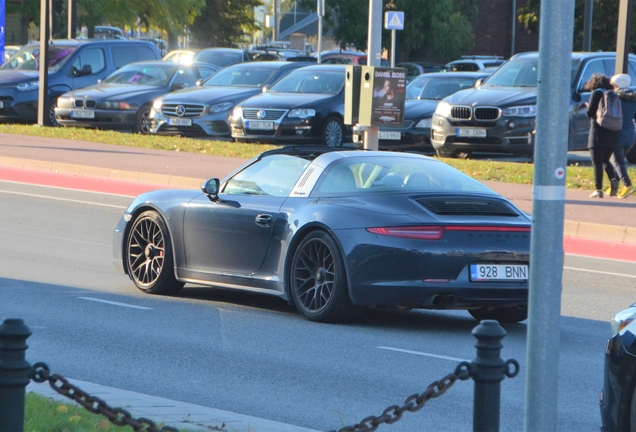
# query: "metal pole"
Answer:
x=72 y=19
x=546 y=247
x=587 y=25
x=45 y=32
x=392 y=48
x=374 y=57
x=514 y=27
x=14 y=374
x=622 y=35
x=488 y=370
x=320 y=9
x=276 y=18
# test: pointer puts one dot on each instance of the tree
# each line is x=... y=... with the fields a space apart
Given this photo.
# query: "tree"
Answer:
x=224 y=22
x=604 y=24
x=433 y=29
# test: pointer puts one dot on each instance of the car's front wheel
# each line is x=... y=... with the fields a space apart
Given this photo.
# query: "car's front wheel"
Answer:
x=318 y=282
x=512 y=314
x=333 y=132
x=142 y=122
x=49 y=112
x=149 y=255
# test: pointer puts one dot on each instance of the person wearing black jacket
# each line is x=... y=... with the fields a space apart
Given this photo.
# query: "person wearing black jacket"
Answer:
x=601 y=142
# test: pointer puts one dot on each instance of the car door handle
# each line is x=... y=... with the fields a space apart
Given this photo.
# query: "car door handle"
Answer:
x=264 y=220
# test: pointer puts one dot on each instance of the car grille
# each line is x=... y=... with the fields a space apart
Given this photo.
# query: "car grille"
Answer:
x=266 y=114
x=487 y=113
x=189 y=110
x=461 y=113
x=467 y=207
x=84 y=103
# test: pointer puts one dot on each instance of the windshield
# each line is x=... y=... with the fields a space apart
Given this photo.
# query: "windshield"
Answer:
x=28 y=58
x=312 y=81
x=516 y=73
x=245 y=76
x=141 y=74
x=436 y=88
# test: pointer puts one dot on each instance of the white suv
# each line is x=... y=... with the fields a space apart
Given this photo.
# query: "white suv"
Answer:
x=474 y=63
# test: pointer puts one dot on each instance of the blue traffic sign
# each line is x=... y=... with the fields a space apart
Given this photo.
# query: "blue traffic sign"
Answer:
x=394 y=20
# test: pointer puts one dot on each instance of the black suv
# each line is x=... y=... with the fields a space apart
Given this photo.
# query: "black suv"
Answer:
x=73 y=64
x=499 y=116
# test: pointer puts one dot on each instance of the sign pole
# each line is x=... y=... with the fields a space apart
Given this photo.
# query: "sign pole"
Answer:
x=393 y=48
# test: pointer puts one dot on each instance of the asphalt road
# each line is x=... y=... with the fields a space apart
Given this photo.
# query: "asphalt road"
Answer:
x=255 y=355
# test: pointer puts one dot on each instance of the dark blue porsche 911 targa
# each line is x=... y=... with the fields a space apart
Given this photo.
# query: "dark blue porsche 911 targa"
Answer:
x=333 y=231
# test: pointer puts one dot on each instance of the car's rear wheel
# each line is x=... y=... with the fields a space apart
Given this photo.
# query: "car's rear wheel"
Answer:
x=142 y=122
x=49 y=112
x=149 y=255
x=631 y=155
x=502 y=314
x=333 y=132
x=318 y=282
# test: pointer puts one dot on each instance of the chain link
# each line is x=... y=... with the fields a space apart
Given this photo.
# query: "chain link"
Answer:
x=117 y=416
x=412 y=403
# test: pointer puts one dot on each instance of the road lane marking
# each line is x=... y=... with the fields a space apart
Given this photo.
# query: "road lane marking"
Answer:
x=600 y=258
x=64 y=199
x=600 y=272
x=65 y=188
x=55 y=237
x=114 y=303
x=424 y=354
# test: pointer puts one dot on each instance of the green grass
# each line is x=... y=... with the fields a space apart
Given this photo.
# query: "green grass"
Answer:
x=577 y=177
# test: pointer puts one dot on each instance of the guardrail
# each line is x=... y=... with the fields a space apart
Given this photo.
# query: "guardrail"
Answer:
x=487 y=370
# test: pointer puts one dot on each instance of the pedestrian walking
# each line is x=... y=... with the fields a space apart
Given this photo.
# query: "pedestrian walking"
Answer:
x=601 y=141
x=626 y=137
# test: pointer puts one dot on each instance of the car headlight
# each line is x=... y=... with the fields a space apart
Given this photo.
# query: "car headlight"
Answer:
x=521 y=111
x=236 y=113
x=301 y=113
x=623 y=319
x=424 y=123
x=113 y=105
x=156 y=105
x=220 y=107
x=28 y=86
x=443 y=109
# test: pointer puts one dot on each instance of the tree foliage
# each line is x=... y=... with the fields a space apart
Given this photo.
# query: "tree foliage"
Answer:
x=433 y=29
x=604 y=23
x=224 y=22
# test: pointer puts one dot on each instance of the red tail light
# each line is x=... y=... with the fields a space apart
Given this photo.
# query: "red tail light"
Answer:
x=436 y=232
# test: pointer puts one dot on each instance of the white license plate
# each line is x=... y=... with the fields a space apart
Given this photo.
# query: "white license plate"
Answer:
x=470 y=132
x=84 y=114
x=179 y=122
x=498 y=272
x=260 y=125
x=390 y=135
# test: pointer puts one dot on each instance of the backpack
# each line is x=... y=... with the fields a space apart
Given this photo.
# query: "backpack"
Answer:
x=609 y=114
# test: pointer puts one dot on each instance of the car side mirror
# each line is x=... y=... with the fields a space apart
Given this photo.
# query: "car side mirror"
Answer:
x=576 y=97
x=177 y=86
x=479 y=82
x=199 y=81
x=211 y=188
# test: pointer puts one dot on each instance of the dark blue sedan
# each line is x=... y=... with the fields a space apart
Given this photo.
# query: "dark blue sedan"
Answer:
x=124 y=99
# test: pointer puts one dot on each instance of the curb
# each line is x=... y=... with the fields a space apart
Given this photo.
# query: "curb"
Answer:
x=571 y=228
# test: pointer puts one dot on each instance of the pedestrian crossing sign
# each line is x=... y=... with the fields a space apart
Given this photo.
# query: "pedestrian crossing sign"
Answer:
x=394 y=20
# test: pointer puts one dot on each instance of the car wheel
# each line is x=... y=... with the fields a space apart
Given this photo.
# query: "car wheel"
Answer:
x=502 y=314
x=443 y=154
x=49 y=111
x=149 y=255
x=318 y=282
x=464 y=155
x=631 y=155
x=142 y=122
x=333 y=132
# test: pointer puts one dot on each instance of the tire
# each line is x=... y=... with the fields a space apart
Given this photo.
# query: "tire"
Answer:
x=50 y=119
x=631 y=155
x=443 y=154
x=333 y=132
x=318 y=282
x=142 y=122
x=149 y=257
x=512 y=314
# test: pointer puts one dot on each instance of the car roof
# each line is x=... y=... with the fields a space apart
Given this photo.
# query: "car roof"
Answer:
x=275 y=64
x=78 y=42
x=325 y=67
x=475 y=74
x=313 y=152
x=578 y=55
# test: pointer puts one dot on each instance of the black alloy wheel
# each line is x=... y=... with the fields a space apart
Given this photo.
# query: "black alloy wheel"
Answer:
x=149 y=255
x=512 y=314
x=318 y=280
x=142 y=123
x=333 y=132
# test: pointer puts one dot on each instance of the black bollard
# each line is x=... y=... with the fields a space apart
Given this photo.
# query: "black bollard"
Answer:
x=488 y=370
x=14 y=374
